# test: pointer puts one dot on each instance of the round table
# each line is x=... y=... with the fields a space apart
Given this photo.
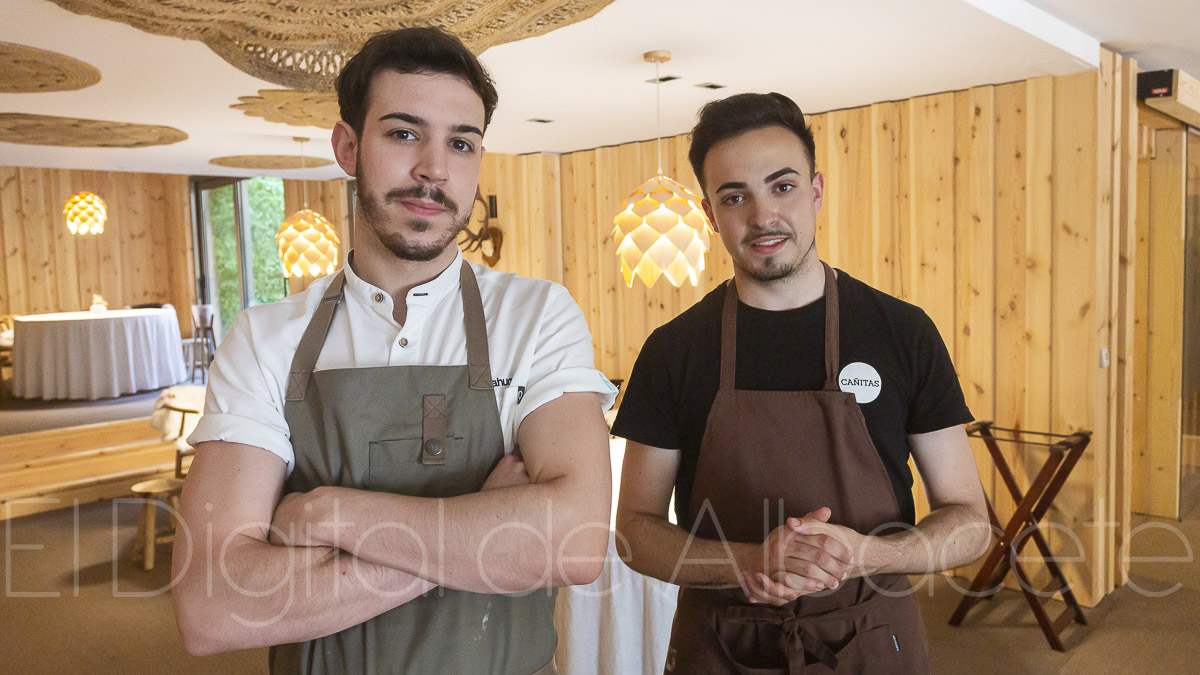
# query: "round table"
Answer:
x=91 y=355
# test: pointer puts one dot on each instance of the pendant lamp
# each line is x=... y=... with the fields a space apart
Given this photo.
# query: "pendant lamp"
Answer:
x=661 y=229
x=308 y=246
x=86 y=213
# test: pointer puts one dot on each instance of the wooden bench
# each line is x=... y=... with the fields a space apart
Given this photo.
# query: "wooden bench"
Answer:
x=85 y=463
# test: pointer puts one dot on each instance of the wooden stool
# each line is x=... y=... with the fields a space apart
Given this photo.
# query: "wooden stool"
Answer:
x=148 y=536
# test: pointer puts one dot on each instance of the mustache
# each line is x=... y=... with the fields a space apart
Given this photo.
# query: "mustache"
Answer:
x=765 y=234
x=426 y=192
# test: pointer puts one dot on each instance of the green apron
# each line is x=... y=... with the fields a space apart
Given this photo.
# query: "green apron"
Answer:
x=424 y=431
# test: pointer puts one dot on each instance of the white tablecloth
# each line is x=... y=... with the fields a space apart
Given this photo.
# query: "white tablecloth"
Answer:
x=90 y=355
x=619 y=624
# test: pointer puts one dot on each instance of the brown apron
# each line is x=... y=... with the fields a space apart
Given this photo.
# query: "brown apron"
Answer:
x=767 y=456
x=426 y=431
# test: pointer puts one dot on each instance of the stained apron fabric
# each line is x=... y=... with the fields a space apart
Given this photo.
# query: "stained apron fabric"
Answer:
x=423 y=431
x=767 y=456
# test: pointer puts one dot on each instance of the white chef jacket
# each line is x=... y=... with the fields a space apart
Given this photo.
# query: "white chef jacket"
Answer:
x=538 y=341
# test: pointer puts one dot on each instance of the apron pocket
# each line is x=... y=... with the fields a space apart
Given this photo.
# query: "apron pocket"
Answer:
x=395 y=466
x=752 y=646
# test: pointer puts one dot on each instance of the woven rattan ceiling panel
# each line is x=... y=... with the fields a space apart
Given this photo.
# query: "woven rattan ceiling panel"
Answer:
x=80 y=133
x=298 y=108
x=270 y=162
x=27 y=70
x=302 y=44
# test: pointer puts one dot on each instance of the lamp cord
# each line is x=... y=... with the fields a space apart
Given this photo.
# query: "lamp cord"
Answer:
x=658 y=114
x=303 y=181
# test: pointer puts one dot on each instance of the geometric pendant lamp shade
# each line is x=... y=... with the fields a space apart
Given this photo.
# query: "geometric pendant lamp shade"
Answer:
x=86 y=213
x=661 y=230
x=308 y=246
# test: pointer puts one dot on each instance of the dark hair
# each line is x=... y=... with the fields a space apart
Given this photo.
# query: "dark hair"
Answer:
x=410 y=50
x=729 y=117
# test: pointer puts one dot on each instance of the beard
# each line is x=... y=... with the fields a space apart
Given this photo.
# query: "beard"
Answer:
x=393 y=238
x=777 y=268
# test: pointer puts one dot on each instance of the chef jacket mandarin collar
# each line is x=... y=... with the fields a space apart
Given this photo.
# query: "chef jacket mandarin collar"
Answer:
x=427 y=294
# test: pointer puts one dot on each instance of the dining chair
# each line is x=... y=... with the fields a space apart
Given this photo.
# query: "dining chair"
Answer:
x=204 y=341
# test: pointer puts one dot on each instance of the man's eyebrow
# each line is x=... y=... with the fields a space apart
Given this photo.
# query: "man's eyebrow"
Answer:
x=782 y=172
x=468 y=129
x=404 y=117
x=732 y=185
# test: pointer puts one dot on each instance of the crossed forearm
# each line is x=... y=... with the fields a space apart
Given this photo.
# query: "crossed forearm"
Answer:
x=250 y=593
x=504 y=540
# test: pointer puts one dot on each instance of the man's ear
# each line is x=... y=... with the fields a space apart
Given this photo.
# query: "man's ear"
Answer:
x=818 y=188
x=708 y=212
x=345 y=147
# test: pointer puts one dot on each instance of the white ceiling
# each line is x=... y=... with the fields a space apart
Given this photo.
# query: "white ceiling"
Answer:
x=590 y=77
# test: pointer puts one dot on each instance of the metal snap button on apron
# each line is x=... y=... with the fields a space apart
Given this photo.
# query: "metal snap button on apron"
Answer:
x=379 y=297
x=433 y=446
x=403 y=342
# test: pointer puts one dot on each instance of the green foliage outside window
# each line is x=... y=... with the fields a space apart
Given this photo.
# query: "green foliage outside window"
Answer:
x=265 y=212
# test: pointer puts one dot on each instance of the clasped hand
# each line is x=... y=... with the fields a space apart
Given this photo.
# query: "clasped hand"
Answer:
x=803 y=556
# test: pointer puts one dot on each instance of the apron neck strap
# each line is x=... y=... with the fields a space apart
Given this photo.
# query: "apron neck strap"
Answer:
x=729 y=333
x=313 y=339
x=729 y=336
x=479 y=367
x=832 y=336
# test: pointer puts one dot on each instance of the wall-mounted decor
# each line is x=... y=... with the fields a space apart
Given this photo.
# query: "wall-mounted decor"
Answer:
x=288 y=106
x=302 y=44
x=86 y=213
x=74 y=132
x=29 y=70
x=270 y=162
x=481 y=234
x=661 y=229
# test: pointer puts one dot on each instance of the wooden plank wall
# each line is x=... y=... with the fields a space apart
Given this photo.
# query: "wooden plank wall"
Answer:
x=1003 y=211
x=143 y=255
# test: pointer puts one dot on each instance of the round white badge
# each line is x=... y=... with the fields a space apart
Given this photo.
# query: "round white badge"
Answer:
x=862 y=380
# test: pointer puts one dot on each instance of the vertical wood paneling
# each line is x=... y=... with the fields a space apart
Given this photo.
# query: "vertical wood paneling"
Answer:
x=1124 y=181
x=932 y=206
x=1164 y=323
x=975 y=235
x=1080 y=297
x=889 y=194
x=10 y=223
x=825 y=243
x=1013 y=338
x=610 y=286
x=849 y=163
x=66 y=267
x=36 y=226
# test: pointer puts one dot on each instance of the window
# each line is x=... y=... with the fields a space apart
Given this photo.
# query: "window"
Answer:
x=237 y=258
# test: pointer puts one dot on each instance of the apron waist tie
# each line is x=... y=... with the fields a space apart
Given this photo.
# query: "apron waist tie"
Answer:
x=799 y=641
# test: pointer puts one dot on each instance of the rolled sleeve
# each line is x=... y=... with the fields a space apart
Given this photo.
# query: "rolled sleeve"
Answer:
x=243 y=404
x=563 y=361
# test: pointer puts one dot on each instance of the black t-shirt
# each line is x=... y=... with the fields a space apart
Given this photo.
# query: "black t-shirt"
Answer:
x=677 y=374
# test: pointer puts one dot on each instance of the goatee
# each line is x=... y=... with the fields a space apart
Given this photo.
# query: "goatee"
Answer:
x=396 y=242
